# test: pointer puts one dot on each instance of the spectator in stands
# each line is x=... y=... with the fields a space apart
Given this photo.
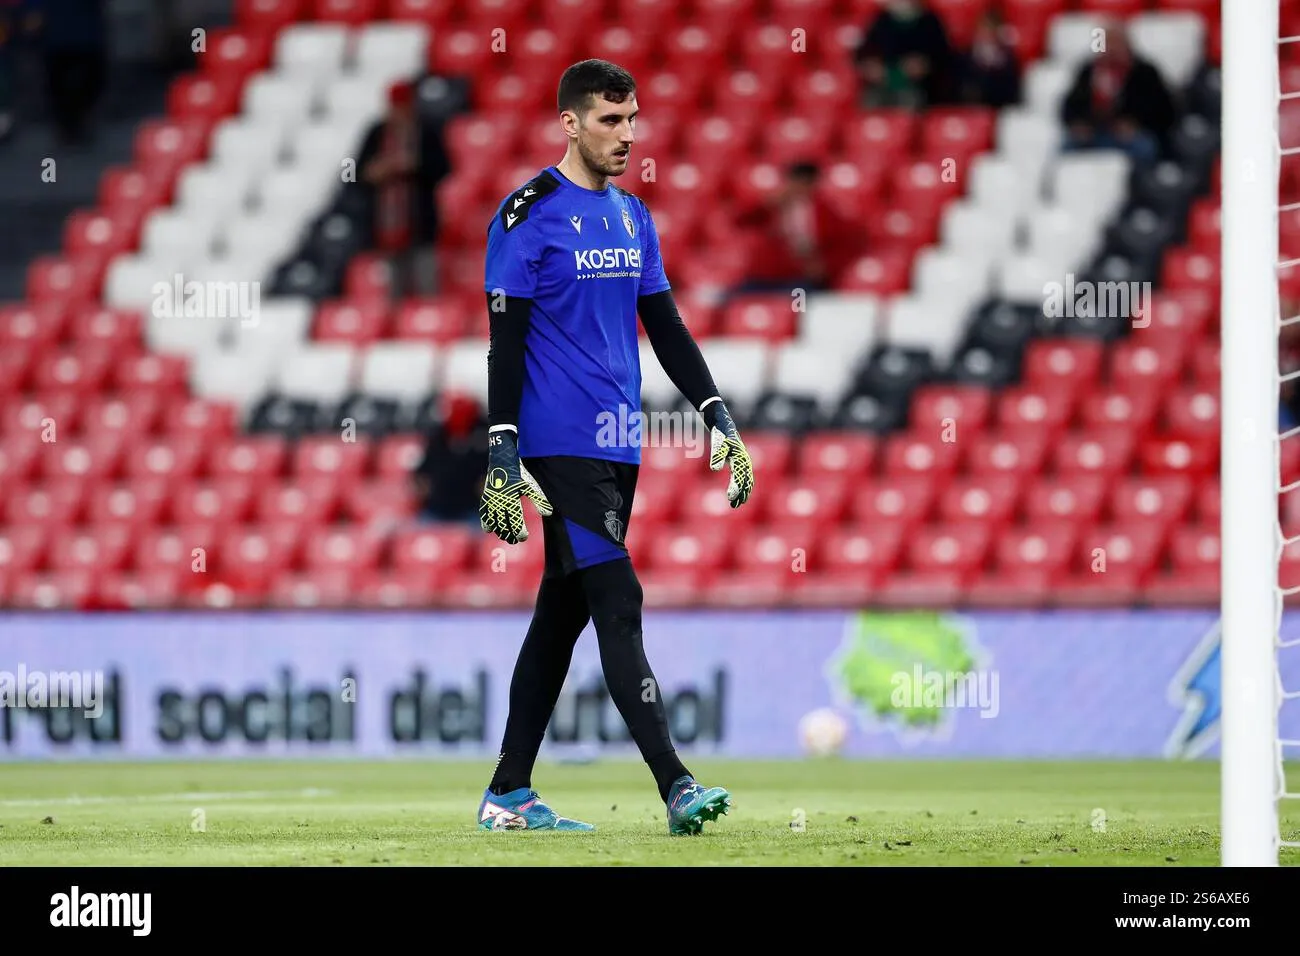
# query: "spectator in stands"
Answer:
x=1119 y=100
x=797 y=237
x=74 y=41
x=988 y=73
x=449 y=478
x=401 y=162
x=904 y=58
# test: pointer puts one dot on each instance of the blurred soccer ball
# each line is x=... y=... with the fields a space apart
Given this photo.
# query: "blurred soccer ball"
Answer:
x=823 y=732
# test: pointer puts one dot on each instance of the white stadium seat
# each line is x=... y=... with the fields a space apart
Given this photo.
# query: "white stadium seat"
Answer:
x=1091 y=184
x=464 y=369
x=1172 y=40
x=242 y=377
x=204 y=186
x=1023 y=279
x=314 y=49
x=351 y=100
x=998 y=185
x=934 y=324
x=846 y=323
x=1056 y=234
x=189 y=236
x=283 y=326
x=400 y=371
x=964 y=276
x=391 y=50
x=265 y=238
x=296 y=192
x=326 y=145
x=317 y=372
x=285 y=100
x=1074 y=37
x=1046 y=84
x=972 y=228
x=130 y=279
x=243 y=141
x=813 y=370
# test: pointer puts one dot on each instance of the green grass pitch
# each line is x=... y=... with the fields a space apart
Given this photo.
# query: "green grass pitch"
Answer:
x=816 y=812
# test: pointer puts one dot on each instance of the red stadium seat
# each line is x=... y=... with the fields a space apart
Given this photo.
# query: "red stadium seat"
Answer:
x=358 y=323
x=1196 y=456
x=1105 y=451
x=1134 y=407
x=989 y=497
x=911 y=454
x=704 y=500
x=1166 y=498
x=327 y=456
x=240 y=52
x=441 y=321
x=1041 y=546
x=313 y=501
x=103 y=549
x=351 y=12
x=907 y=498
x=1193 y=413
x=876 y=546
x=959 y=546
x=269 y=14
x=1077 y=496
x=437 y=548
x=1063 y=363
x=141 y=504
x=262 y=457
x=1133 y=545
x=224 y=502
x=847 y=453
x=681 y=547
x=159 y=589
x=23 y=546
x=1035 y=406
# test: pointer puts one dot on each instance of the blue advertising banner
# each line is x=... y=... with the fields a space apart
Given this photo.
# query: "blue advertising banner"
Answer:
x=1096 y=684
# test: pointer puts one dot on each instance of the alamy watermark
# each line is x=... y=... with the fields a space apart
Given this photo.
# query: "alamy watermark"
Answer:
x=196 y=299
x=70 y=690
x=1086 y=299
x=632 y=428
x=948 y=690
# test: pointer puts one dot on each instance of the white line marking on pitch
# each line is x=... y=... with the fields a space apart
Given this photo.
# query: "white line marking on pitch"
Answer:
x=170 y=797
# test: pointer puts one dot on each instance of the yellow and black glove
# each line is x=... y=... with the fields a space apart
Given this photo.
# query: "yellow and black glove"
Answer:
x=725 y=447
x=501 y=512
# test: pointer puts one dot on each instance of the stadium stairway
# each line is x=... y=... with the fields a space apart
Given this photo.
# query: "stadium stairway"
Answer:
x=854 y=467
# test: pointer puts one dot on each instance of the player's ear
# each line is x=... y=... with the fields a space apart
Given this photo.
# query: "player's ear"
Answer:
x=569 y=120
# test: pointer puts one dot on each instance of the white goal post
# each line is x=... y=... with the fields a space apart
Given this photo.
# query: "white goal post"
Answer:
x=1251 y=784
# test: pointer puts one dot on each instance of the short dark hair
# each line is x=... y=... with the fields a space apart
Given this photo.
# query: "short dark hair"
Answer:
x=590 y=78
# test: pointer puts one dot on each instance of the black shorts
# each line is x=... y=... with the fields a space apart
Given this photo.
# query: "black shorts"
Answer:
x=592 y=499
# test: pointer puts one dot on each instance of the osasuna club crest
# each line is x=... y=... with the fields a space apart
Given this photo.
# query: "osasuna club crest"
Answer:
x=612 y=524
x=627 y=224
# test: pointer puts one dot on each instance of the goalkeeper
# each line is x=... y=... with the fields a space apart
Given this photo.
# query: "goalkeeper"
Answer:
x=571 y=262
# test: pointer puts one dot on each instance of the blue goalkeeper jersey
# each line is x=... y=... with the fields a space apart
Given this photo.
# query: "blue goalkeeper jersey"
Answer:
x=583 y=258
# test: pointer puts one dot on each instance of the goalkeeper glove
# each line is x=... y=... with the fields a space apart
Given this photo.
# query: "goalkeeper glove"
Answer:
x=501 y=511
x=727 y=448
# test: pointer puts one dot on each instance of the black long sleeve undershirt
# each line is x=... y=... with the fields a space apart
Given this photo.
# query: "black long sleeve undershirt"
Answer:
x=508 y=319
x=673 y=345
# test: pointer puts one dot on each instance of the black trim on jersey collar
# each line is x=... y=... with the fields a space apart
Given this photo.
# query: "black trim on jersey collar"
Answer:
x=517 y=205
